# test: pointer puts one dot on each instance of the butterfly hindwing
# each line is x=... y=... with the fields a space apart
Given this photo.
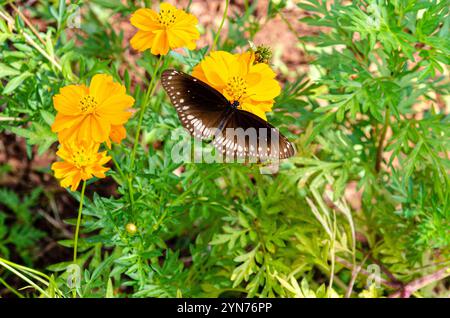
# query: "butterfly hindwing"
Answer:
x=247 y=136
x=199 y=106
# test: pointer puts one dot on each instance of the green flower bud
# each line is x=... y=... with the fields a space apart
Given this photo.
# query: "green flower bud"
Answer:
x=131 y=228
x=263 y=54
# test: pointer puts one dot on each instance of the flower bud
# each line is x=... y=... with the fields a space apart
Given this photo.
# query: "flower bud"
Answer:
x=131 y=228
x=263 y=54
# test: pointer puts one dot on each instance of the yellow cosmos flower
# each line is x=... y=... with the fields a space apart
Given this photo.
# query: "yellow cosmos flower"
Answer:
x=169 y=29
x=81 y=161
x=240 y=79
x=91 y=113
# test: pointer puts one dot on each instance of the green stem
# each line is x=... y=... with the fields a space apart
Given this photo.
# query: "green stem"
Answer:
x=130 y=190
x=225 y=13
x=289 y=25
x=30 y=271
x=8 y=265
x=77 y=230
x=381 y=142
x=188 y=7
x=10 y=288
x=119 y=170
x=150 y=90
x=333 y=254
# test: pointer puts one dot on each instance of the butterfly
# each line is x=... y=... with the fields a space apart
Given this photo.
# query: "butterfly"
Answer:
x=207 y=114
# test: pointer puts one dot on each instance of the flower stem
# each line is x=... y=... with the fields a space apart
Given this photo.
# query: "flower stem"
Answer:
x=379 y=157
x=289 y=25
x=77 y=230
x=150 y=90
x=148 y=94
x=119 y=170
x=225 y=13
x=10 y=288
x=415 y=285
x=130 y=190
x=10 y=266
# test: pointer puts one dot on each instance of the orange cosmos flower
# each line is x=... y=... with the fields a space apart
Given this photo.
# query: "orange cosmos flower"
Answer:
x=91 y=113
x=169 y=29
x=81 y=161
x=239 y=78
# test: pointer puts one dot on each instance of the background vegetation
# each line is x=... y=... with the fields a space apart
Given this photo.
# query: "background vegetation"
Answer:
x=361 y=211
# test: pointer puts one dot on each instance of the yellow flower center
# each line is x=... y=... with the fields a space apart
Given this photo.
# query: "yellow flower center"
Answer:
x=88 y=104
x=166 y=17
x=236 y=88
x=80 y=158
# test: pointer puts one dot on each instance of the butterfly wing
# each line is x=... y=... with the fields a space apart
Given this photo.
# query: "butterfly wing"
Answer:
x=200 y=107
x=247 y=136
x=206 y=113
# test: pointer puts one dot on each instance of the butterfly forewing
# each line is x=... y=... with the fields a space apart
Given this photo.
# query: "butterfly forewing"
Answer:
x=199 y=106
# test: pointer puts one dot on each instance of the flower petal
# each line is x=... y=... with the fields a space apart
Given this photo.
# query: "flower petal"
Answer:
x=265 y=90
x=99 y=87
x=117 y=133
x=145 y=19
x=67 y=101
x=142 y=40
x=115 y=109
x=100 y=129
x=64 y=121
x=75 y=182
x=160 y=44
x=217 y=68
x=61 y=169
x=255 y=110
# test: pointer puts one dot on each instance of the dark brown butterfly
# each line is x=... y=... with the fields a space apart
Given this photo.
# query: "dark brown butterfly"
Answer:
x=206 y=114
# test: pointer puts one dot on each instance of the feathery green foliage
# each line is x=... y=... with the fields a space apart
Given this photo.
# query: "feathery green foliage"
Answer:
x=368 y=188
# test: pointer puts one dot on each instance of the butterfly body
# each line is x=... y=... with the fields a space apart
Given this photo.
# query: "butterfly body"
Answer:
x=227 y=114
x=234 y=104
x=206 y=113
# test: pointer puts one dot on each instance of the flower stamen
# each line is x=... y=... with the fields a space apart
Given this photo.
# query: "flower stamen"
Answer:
x=236 y=88
x=80 y=158
x=166 y=17
x=88 y=104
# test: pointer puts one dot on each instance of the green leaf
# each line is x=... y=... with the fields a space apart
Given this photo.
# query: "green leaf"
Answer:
x=15 y=82
x=6 y=70
x=48 y=117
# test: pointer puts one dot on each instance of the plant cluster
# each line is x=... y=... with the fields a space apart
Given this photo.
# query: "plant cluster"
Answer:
x=362 y=210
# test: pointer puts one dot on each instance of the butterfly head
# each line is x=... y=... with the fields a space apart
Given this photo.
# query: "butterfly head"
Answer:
x=235 y=104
